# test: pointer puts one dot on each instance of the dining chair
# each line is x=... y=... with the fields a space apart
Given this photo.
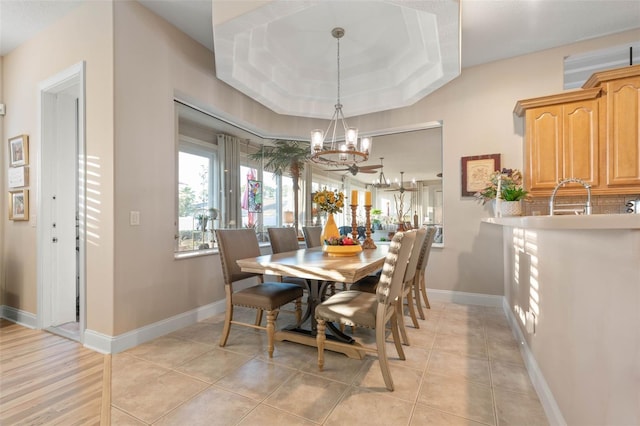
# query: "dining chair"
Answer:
x=283 y=240
x=420 y=286
x=407 y=285
x=369 y=284
x=312 y=235
x=368 y=310
x=237 y=244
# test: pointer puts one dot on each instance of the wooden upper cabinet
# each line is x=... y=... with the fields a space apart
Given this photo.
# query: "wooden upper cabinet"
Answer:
x=623 y=132
x=620 y=131
x=544 y=153
x=592 y=134
x=561 y=139
x=581 y=141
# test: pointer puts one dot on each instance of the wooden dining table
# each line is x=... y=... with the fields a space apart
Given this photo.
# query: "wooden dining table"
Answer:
x=319 y=270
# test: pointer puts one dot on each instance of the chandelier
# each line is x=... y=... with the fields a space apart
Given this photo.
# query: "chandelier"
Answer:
x=382 y=181
x=333 y=152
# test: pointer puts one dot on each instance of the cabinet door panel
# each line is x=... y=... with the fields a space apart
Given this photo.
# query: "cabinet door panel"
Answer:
x=581 y=141
x=623 y=132
x=544 y=146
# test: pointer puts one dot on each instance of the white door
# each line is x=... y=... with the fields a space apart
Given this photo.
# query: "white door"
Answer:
x=62 y=189
x=59 y=210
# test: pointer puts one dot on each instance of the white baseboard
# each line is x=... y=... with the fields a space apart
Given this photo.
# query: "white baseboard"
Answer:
x=24 y=318
x=464 y=298
x=549 y=404
x=109 y=344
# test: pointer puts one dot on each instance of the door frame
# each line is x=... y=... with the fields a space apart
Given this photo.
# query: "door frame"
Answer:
x=74 y=75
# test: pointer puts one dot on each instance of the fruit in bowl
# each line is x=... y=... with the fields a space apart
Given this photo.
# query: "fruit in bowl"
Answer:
x=342 y=240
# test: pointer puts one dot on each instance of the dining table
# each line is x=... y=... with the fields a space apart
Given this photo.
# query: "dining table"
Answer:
x=319 y=270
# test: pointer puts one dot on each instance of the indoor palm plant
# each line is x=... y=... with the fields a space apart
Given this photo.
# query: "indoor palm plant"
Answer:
x=285 y=156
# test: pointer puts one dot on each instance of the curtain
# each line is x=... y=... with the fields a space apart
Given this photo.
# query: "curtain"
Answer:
x=230 y=181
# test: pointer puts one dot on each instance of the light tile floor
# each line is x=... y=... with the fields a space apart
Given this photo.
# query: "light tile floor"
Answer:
x=463 y=368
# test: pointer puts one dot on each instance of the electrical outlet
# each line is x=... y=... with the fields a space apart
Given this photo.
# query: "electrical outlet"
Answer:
x=134 y=218
x=531 y=322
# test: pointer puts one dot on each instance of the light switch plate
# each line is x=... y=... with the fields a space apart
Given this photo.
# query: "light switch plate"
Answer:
x=2 y=109
x=134 y=218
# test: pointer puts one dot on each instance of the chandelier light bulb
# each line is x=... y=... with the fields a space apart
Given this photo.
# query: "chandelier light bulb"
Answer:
x=365 y=143
x=343 y=153
x=352 y=137
x=317 y=140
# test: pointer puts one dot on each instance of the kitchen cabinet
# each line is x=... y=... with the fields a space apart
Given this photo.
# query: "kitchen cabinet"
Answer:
x=561 y=139
x=592 y=133
x=620 y=125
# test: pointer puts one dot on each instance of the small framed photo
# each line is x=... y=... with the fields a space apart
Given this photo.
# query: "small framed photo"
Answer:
x=476 y=171
x=18 y=177
x=19 y=151
x=19 y=204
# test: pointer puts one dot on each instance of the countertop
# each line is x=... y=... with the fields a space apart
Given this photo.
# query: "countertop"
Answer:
x=595 y=221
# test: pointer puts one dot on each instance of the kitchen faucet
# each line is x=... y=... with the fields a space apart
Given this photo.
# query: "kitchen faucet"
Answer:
x=587 y=206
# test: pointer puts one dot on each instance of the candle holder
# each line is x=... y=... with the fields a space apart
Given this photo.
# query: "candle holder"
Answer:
x=368 y=242
x=354 y=223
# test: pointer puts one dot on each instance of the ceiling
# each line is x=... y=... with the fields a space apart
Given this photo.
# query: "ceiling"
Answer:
x=490 y=30
x=284 y=53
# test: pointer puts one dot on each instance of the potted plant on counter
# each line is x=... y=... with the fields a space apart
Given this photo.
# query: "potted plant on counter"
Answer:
x=507 y=183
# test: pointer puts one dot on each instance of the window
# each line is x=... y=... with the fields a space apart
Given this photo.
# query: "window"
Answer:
x=196 y=194
x=578 y=68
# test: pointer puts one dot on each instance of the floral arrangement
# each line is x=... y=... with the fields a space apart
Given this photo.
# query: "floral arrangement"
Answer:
x=329 y=201
x=511 y=188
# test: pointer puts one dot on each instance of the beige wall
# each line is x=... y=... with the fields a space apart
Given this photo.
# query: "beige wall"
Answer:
x=85 y=34
x=139 y=282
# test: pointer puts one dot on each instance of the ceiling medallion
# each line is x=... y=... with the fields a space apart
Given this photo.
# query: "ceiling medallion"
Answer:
x=351 y=150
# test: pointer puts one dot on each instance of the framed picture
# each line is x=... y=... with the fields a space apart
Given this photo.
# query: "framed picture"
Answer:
x=19 y=151
x=19 y=204
x=18 y=177
x=476 y=171
x=255 y=196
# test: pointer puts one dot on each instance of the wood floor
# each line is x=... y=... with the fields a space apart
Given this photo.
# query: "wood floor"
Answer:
x=47 y=379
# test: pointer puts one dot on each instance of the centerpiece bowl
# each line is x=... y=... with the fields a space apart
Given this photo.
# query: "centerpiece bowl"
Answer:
x=351 y=250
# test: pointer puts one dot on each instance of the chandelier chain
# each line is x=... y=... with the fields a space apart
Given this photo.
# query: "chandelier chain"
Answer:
x=338 y=60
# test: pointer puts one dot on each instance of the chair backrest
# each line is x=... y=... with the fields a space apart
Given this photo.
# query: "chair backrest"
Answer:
x=395 y=265
x=426 y=248
x=236 y=244
x=415 y=254
x=283 y=239
x=312 y=235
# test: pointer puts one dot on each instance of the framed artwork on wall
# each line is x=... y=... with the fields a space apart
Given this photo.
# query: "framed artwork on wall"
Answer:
x=18 y=177
x=19 y=151
x=476 y=171
x=19 y=204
